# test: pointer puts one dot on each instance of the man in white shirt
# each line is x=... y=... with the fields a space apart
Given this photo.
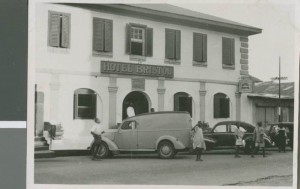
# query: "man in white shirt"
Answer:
x=96 y=131
x=130 y=110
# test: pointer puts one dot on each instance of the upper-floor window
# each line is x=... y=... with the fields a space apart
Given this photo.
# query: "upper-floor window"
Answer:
x=102 y=35
x=221 y=106
x=59 y=29
x=199 y=48
x=139 y=40
x=172 y=44
x=228 y=52
x=85 y=101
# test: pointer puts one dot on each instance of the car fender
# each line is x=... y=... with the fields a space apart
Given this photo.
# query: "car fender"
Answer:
x=111 y=145
x=176 y=143
x=210 y=140
x=268 y=139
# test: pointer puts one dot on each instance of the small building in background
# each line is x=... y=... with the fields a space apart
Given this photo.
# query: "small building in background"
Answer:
x=265 y=102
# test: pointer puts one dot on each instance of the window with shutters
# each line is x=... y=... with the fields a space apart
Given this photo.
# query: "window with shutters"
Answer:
x=199 y=49
x=183 y=102
x=228 y=53
x=59 y=30
x=102 y=37
x=172 y=46
x=85 y=101
x=221 y=106
x=139 y=40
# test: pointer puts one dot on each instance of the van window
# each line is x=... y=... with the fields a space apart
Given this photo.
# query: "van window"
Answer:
x=128 y=125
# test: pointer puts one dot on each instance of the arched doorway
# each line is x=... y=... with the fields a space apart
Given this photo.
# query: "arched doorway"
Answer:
x=183 y=102
x=139 y=102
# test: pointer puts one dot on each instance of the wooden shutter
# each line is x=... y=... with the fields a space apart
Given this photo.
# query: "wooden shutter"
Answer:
x=94 y=104
x=128 y=37
x=224 y=107
x=65 y=35
x=189 y=105
x=170 y=44
x=197 y=47
x=216 y=106
x=232 y=52
x=149 y=42
x=204 y=47
x=98 y=34
x=54 y=29
x=75 y=107
x=108 y=35
x=226 y=51
x=178 y=45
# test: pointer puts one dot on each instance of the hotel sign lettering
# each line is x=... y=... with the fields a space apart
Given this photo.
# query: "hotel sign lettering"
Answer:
x=137 y=69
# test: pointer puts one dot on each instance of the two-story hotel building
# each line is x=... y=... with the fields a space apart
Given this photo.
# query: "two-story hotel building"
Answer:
x=93 y=60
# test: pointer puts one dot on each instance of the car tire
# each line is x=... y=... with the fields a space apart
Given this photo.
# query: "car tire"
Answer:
x=166 y=150
x=105 y=152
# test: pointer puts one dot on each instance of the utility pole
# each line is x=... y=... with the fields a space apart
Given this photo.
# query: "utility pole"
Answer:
x=279 y=91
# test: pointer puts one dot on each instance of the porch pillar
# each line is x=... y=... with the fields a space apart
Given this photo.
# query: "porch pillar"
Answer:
x=112 y=105
x=54 y=99
x=202 y=93
x=161 y=94
x=238 y=106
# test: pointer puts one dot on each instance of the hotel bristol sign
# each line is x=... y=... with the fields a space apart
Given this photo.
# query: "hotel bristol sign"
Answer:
x=136 y=69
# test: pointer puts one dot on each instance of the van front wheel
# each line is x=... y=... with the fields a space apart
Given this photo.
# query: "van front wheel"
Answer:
x=166 y=150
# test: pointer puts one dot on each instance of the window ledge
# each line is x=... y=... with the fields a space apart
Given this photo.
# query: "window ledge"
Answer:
x=229 y=67
x=103 y=54
x=137 y=58
x=200 y=64
x=58 y=49
x=171 y=61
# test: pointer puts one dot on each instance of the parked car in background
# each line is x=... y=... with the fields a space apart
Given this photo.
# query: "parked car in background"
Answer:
x=289 y=126
x=222 y=136
x=163 y=132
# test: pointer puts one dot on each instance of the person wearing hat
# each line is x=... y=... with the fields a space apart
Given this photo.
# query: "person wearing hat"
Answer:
x=258 y=139
x=96 y=131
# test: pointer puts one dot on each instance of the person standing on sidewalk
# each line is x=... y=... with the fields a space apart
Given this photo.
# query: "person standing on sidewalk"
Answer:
x=281 y=138
x=96 y=131
x=258 y=138
x=198 y=141
x=238 y=140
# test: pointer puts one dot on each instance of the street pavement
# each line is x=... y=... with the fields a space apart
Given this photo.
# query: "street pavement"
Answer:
x=216 y=169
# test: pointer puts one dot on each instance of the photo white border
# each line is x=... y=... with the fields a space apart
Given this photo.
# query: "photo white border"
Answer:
x=31 y=88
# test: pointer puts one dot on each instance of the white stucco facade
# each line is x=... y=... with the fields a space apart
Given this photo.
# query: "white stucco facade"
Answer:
x=59 y=72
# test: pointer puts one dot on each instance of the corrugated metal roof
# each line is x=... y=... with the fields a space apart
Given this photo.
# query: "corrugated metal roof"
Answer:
x=270 y=89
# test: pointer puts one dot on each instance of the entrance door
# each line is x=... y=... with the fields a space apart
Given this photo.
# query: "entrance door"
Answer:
x=139 y=102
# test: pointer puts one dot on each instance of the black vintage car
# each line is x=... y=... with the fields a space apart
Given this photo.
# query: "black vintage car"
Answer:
x=222 y=136
x=289 y=126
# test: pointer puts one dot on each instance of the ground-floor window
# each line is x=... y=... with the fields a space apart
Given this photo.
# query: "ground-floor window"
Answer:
x=85 y=101
x=183 y=102
x=221 y=106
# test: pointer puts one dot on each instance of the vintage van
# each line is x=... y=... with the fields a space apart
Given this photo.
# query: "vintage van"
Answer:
x=163 y=132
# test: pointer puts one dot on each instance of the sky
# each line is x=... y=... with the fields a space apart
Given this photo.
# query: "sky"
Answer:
x=280 y=31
